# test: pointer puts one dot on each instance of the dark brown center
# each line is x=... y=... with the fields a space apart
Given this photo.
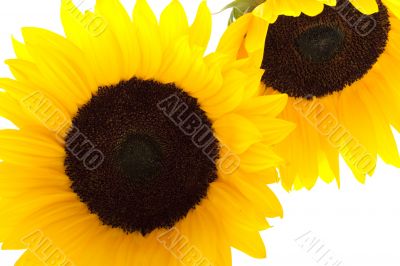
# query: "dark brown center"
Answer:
x=316 y=56
x=152 y=173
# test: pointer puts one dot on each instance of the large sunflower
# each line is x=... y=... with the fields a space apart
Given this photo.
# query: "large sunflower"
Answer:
x=131 y=148
x=338 y=64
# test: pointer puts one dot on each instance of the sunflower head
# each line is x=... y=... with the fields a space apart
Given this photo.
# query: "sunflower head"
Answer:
x=334 y=60
x=132 y=140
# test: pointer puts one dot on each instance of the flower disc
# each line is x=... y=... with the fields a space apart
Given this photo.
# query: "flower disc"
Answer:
x=152 y=173
x=315 y=56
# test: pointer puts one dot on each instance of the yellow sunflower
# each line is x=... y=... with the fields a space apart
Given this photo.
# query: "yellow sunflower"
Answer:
x=131 y=148
x=337 y=61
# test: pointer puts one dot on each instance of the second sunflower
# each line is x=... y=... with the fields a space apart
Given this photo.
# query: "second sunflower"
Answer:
x=337 y=61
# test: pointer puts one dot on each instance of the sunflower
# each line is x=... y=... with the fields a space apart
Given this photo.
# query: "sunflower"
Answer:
x=130 y=148
x=337 y=63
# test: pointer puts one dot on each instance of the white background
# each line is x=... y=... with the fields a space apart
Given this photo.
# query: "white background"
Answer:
x=358 y=225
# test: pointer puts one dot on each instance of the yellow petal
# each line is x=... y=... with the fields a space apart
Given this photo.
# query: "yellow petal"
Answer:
x=147 y=28
x=60 y=73
x=20 y=50
x=259 y=157
x=229 y=96
x=30 y=147
x=177 y=62
x=268 y=105
x=29 y=75
x=200 y=31
x=8 y=105
x=29 y=258
x=122 y=27
x=255 y=38
x=91 y=33
x=367 y=7
x=236 y=132
x=232 y=39
x=249 y=242
x=173 y=23
x=386 y=144
x=274 y=130
x=359 y=145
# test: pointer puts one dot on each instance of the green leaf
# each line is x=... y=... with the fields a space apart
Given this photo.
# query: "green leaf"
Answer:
x=241 y=7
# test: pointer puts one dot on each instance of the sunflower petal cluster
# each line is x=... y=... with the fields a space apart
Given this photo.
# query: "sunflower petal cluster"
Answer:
x=132 y=147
